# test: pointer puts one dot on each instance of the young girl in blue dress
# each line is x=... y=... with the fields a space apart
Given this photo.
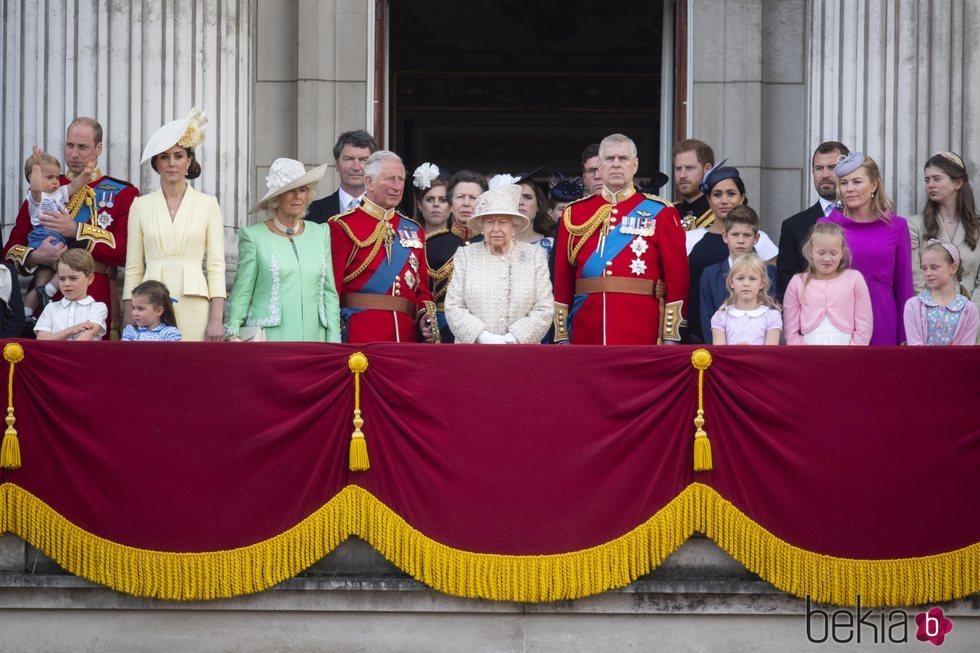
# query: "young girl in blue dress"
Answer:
x=153 y=315
x=750 y=316
x=941 y=315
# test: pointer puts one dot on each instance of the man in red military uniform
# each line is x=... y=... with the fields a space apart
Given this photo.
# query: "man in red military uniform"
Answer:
x=612 y=252
x=379 y=262
x=96 y=219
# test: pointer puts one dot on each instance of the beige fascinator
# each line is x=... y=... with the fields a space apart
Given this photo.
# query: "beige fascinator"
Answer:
x=186 y=132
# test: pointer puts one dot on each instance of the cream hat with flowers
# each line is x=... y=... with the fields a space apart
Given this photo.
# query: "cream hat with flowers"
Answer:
x=500 y=200
x=284 y=176
x=186 y=132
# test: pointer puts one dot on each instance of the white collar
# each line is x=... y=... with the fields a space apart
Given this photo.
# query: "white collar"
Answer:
x=84 y=301
x=345 y=199
x=755 y=312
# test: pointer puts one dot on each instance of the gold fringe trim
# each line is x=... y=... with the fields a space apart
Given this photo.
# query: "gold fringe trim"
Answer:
x=355 y=511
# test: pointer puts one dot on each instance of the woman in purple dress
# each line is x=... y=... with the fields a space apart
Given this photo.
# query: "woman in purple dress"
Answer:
x=879 y=242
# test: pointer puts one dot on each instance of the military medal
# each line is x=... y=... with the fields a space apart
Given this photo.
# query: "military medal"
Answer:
x=638 y=266
x=407 y=238
x=413 y=262
x=639 y=246
x=104 y=220
x=410 y=279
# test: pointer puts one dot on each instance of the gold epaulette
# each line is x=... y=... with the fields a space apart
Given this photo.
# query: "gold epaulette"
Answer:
x=657 y=198
x=412 y=220
x=95 y=234
x=334 y=218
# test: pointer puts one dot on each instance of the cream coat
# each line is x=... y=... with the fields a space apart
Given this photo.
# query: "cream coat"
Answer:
x=500 y=294
x=173 y=252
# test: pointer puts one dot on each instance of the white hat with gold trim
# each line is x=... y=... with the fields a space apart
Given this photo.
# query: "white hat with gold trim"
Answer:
x=186 y=132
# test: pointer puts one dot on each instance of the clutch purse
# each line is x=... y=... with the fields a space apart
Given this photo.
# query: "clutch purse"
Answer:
x=251 y=334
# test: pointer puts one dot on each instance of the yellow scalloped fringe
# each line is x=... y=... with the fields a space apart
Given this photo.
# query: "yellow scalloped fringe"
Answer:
x=355 y=511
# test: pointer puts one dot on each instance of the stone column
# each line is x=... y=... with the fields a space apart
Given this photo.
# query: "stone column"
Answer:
x=748 y=94
x=895 y=80
x=133 y=66
x=312 y=76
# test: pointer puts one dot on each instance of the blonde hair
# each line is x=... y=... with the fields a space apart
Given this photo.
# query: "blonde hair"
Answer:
x=938 y=246
x=823 y=229
x=744 y=262
x=881 y=204
x=45 y=159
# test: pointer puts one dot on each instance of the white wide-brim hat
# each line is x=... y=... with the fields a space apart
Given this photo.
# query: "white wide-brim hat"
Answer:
x=501 y=200
x=284 y=176
x=186 y=132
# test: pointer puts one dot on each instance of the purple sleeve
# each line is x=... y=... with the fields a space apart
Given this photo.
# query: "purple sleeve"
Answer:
x=904 y=289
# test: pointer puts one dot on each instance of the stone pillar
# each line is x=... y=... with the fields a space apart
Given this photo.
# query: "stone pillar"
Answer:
x=307 y=94
x=133 y=66
x=748 y=93
x=894 y=80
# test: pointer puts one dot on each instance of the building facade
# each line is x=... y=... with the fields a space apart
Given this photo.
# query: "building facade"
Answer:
x=762 y=81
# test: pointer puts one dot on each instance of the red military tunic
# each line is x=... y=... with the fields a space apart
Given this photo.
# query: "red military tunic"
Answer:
x=610 y=251
x=101 y=209
x=382 y=296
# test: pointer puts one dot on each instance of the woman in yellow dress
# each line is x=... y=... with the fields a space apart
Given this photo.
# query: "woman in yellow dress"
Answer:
x=175 y=229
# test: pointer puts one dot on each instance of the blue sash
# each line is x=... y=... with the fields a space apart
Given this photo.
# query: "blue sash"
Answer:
x=616 y=242
x=384 y=275
x=104 y=192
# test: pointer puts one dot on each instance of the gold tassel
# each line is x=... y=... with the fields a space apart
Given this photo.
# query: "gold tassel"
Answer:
x=701 y=359
x=358 y=458
x=10 y=449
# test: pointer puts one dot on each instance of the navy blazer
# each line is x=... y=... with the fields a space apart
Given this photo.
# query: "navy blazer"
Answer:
x=714 y=292
x=792 y=236
x=322 y=210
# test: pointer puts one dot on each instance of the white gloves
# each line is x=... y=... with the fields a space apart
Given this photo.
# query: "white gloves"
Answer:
x=487 y=338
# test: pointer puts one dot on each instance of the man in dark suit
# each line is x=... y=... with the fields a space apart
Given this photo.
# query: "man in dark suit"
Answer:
x=795 y=230
x=351 y=153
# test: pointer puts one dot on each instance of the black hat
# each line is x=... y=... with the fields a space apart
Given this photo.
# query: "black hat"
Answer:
x=565 y=189
x=657 y=181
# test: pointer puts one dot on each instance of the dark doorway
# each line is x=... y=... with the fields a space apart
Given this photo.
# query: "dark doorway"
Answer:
x=511 y=85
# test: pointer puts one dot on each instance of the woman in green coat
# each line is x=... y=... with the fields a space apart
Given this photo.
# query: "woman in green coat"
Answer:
x=284 y=289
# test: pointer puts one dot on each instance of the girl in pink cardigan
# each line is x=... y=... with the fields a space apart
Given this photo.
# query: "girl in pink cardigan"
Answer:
x=829 y=304
x=941 y=315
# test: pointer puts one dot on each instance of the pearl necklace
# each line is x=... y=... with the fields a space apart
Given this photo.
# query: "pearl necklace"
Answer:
x=289 y=231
